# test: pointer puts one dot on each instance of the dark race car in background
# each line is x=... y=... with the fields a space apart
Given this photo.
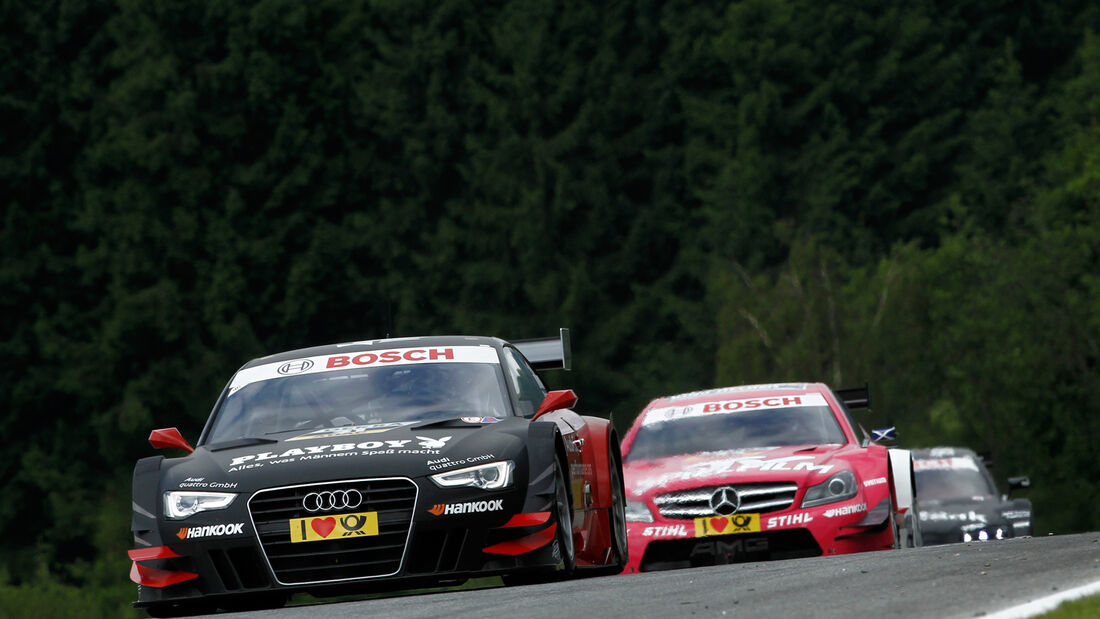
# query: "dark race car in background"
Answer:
x=959 y=501
x=760 y=472
x=379 y=465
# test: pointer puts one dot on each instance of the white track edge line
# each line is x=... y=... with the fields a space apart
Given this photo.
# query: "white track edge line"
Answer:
x=1045 y=604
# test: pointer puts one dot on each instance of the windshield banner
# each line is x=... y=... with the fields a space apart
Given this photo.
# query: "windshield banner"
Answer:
x=661 y=415
x=924 y=464
x=369 y=358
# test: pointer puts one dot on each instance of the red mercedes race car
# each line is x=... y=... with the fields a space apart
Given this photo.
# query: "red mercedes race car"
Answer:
x=761 y=472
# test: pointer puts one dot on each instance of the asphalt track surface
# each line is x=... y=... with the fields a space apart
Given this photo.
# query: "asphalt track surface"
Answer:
x=960 y=580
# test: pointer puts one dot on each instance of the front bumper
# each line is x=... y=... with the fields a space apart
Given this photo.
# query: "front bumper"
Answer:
x=422 y=539
x=838 y=528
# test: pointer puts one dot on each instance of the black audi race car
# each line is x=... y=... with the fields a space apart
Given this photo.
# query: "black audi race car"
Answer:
x=379 y=465
x=959 y=501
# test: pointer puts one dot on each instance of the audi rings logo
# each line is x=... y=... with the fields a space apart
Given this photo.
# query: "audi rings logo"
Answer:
x=332 y=499
x=295 y=367
x=725 y=501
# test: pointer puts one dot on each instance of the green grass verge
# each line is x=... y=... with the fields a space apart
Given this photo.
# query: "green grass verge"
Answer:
x=54 y=600
x=1084 y=608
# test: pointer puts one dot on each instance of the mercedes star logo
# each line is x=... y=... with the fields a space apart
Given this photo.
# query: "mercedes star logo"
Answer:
x=725 y=501
x=331 y=499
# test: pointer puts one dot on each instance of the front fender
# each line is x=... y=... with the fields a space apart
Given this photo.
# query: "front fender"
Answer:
x=544 y=449
x=146 y=501
x=901 y=479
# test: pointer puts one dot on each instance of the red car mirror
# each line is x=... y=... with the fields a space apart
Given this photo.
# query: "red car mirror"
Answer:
x=169 y=437
x=556 y=400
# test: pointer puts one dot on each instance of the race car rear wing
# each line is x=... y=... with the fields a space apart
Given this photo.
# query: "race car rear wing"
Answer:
x=857 y=397
x=548 y=353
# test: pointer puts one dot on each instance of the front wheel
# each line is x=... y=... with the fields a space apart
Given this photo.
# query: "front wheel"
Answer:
x=907 y=532
x=563 y=538
x=912 y=526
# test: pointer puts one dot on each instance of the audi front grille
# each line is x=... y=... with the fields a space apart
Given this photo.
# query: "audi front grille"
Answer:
x=755 y=498
x=345 y=558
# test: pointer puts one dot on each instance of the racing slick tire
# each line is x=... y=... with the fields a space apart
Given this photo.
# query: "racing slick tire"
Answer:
x=563 y=537
x=616 y=516
x=912 y=527
x=907 y=532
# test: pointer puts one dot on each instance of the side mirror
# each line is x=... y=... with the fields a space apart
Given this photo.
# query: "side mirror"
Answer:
x=884 y=434
x=1018 y=483
x=169 y=437
x=555 y=401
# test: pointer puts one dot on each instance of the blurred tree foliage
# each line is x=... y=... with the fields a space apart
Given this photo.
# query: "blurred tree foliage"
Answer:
x=904 y=193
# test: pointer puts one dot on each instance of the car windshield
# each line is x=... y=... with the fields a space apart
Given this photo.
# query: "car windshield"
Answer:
x=804 y=425
x=945 y=484
x=407 y=393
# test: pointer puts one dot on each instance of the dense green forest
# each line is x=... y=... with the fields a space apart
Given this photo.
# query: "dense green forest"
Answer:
x=904 y=193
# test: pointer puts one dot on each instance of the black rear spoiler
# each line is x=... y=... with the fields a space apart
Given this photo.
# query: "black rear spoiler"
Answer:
x=858 y=397
x=548 y=353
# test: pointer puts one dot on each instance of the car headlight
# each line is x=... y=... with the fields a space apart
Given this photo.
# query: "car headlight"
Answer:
x=983 y=535
x=492 y=476
x=839 y=487
x=183 y=503
x=637 y=511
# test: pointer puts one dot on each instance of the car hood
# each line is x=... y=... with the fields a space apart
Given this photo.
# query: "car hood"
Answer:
x=802 y=464
x=378 y=450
